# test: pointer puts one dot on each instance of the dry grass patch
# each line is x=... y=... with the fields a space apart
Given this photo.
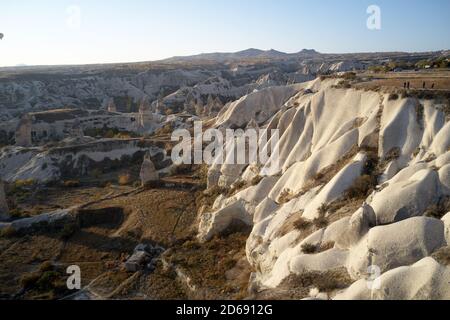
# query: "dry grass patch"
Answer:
x=442 y=256
x=286 y=196
x=321 y=221
x=236 y=187
x=393 y=154
x=393 y=96
x=48 y=282
x=328 y=282
x=302 y=224
x=71 y=184
x=209 y=265
x=256 y=180
x=8 y=232
x=439 y=210
x=325 y=176
x=309 y=248
x=306 y=227
x=209 y=196
x=361 y=187
x=124 y=179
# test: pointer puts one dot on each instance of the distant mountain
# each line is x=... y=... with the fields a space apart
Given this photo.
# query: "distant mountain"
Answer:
x=251 y=53
x=308 y=52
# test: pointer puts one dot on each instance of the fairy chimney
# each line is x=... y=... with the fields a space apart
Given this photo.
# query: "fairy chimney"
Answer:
x=145 y=113
x=23 y=132
x=111 y=106
x=189 y=106
x=199 y=108
x=218 y=105
x=77 y=130
x=4 y=211
x=252 y=124
x=148 y=173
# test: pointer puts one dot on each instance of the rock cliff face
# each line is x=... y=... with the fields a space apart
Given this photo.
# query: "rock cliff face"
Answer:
x=148 y=172
x=85 y=90
x=123 y=88
x=49 y=165
x=363 y=184
x=4 y=215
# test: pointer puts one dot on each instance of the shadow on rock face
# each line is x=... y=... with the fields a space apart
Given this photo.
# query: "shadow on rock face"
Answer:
x=108 y=218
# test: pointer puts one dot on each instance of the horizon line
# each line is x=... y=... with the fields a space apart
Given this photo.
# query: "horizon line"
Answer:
x=162 y=60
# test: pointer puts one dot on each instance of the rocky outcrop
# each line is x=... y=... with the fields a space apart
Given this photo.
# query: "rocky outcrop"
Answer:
x=110 y=105
x=399 y=244
x=47 y=165
x=145 y=117
x=148 y=172
x=4 y=210
x=49 y=218
x=362 y=186
x=424 y=280
x=23 y=132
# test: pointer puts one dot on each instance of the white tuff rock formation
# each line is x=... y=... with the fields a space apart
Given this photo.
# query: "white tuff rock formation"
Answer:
x=77 y=129
x=332 y=143
x=23 y=132
x=145 y=114
x=111 y=106
x=148 y=173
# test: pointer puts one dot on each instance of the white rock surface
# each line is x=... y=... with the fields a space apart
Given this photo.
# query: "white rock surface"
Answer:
x=148 y=172
x=324 y=261
x=407 y=198
x=341 y=182
x=424 y=280
x=49 y=218
x=319 y=127
x=402 y=243
x=446 y=220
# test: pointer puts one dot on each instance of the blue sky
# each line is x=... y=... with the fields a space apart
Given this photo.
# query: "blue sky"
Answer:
x=48 y=32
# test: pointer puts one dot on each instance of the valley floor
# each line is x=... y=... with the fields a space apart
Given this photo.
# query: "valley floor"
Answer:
x=33 y=266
